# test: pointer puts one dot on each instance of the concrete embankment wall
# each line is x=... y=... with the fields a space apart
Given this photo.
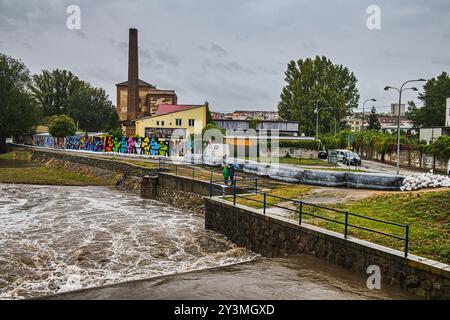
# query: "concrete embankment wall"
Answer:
x=273 y=236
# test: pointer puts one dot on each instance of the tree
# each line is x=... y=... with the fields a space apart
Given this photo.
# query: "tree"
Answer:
x=53 y=89
x=436 y=90
x=112 y=123
x=91 y=107
x=61 y=92
x=440 y=148
x=373 y=121
x=209 y=118
x=17 y=113
x=61 y=126
x=317 y=83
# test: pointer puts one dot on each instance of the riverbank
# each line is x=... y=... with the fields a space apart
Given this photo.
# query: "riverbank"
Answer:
x=16 y=167
x=426 y=212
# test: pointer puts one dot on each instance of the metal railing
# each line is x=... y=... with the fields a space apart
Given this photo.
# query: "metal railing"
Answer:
x=300 y=210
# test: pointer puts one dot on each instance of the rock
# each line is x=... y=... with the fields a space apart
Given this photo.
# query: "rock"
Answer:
x=412 y=282
x=424 y=180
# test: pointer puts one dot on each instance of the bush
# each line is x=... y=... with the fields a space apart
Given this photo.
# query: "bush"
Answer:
x=61 y=126
x=299 y=144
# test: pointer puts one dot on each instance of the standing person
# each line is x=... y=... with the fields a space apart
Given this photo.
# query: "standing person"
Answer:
x=226 y=174
x=231 y=172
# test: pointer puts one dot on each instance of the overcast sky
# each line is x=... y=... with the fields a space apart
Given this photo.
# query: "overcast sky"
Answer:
x=232 y=53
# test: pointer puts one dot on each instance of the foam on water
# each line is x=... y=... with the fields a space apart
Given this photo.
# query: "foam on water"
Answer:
x=56 y=239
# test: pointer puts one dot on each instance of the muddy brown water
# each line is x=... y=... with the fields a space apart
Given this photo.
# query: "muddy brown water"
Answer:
x=56 y=239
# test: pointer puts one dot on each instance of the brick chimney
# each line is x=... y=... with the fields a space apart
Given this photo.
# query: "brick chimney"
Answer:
x=133 y=76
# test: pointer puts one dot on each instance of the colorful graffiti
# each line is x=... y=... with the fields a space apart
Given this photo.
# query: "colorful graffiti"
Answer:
x=152 y=146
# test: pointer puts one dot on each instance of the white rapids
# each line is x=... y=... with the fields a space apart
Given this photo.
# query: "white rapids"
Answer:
x=55 y=239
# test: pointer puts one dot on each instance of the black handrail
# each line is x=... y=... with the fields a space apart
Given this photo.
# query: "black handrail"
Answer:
x=347 y=214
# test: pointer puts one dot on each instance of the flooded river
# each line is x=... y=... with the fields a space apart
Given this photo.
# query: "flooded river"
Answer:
x=55 y=239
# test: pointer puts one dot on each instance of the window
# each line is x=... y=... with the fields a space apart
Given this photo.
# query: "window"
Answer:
x=191 y=122
x=178 y=122
x=157 y=123
x=162 y=123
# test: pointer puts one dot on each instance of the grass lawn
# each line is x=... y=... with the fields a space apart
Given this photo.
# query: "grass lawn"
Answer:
x=306 y=162
x=427 y=213
x=16 y=167
x=48 y=176
x=297 y=161
x=17 y=155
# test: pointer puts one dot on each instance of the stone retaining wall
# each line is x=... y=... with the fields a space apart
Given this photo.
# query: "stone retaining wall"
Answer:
x=274 y=235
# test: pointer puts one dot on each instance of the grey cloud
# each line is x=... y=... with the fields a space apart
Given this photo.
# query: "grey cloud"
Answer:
x=232 y=67
x=232 y=53
x=103 y=74
x=214 y=48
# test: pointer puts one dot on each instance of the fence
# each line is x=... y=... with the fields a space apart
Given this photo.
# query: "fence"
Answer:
x=301 y=205
x=239 y=183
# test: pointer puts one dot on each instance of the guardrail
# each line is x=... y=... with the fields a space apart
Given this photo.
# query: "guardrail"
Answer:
x=301 y=205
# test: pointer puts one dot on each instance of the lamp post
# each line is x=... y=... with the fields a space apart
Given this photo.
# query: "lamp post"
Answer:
x=400 y=91
x=364 y=103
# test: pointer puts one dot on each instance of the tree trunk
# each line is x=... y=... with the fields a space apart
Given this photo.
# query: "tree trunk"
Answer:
x=3 y=146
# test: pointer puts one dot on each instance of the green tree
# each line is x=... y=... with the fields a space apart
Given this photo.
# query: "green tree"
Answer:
x=436 y=90
x=61 y=126
x=61 y=92
x=317 y=83
x=91 y=107
x=112 y=123
x=373 y=121
x=53 y=89
x=440 y=148
x=17 y=113
x=209 y=118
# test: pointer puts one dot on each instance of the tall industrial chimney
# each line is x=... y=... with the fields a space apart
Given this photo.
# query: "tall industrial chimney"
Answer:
x=133 y=76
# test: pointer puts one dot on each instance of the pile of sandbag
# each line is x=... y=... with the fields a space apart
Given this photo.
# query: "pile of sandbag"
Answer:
x=424 y=180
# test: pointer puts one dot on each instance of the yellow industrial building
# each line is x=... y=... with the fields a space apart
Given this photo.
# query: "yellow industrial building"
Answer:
x=181 y=120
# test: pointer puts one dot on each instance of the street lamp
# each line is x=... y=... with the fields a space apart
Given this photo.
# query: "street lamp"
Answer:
x=398 y=113
x=364 y=103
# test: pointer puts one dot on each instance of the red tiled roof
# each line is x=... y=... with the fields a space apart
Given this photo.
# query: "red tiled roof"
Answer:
x=169 y=108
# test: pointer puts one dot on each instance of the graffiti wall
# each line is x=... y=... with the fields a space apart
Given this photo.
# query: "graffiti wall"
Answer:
x=152 y=146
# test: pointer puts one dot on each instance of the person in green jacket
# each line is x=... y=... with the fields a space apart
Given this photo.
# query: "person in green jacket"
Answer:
x=226 y=174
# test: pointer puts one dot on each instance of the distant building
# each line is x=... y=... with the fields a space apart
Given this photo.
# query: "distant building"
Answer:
x=180 y=120
x=447 y=113
x=432 y=133
x=245 y=115
x=288 y=128
x=149 y=99
x=394 y=110
x=389 y=124
x=355 y=124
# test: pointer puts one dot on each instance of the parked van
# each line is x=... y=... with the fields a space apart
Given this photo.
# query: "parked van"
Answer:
x=340 y=154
